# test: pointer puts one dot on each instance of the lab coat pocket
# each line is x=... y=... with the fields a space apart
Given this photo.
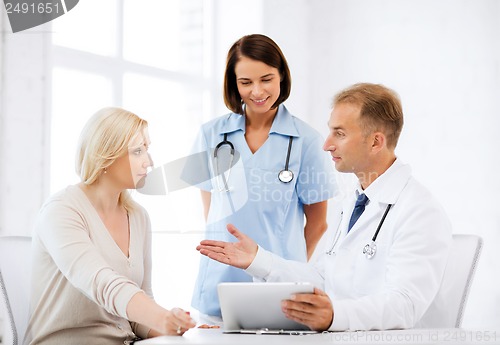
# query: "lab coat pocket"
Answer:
x=369 y=274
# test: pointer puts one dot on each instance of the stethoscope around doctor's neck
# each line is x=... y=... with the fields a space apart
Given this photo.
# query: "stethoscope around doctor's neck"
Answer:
x=285 y=175
x=370 y=249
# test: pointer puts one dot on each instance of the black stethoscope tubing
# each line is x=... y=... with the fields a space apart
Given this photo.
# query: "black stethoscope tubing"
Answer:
x=374 y=238
x=284 y=175
x=369 y=249
x=224 y=142
x=216 y=161
x=288 y=153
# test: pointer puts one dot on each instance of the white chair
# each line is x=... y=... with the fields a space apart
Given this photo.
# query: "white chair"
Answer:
x=447 y=309
x=15 y=274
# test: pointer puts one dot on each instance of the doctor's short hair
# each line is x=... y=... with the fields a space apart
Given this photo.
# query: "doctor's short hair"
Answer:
x=381 y=109
x=106 y=137
x=260 y=48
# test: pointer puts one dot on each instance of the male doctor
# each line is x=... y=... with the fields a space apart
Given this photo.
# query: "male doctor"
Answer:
x=362 y=284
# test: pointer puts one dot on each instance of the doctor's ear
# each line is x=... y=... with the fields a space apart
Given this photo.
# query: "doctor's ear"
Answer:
x=379 y=141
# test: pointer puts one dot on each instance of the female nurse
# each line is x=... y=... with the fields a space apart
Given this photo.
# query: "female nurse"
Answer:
x=277 y=175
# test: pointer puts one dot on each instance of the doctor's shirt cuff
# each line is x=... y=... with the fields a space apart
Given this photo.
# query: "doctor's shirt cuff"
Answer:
x=261 y=264
x=340 y=316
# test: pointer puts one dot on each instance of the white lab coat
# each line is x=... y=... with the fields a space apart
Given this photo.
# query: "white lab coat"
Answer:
x=394 y=288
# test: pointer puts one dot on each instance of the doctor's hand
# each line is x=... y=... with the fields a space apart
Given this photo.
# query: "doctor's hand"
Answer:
x=238 y=254
x=313 y=310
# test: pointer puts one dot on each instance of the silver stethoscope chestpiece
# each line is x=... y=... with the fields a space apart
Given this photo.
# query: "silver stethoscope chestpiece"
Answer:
x=370 y=250
x=285 y=176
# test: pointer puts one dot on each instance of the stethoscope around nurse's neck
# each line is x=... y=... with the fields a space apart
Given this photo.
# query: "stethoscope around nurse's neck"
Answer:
x=225 y=187
x=285 y=175
x=370 y=249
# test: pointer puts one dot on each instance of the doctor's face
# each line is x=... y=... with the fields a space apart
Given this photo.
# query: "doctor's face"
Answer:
x=258 y=85
x=347 y=143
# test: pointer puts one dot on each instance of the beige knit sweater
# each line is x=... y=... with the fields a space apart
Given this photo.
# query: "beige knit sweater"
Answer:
x=81 y=280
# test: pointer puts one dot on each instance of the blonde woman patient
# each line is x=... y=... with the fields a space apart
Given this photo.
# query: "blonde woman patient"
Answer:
x=92 y=246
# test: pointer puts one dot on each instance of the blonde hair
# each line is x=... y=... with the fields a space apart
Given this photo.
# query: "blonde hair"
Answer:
x=104 y=138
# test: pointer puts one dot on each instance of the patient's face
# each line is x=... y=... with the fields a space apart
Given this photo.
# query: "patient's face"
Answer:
x=139 y=158
x=129 y=171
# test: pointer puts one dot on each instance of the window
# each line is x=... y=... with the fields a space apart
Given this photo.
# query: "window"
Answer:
x=150 y=57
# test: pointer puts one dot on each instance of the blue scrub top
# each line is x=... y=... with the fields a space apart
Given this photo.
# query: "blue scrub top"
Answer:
x=267 y=210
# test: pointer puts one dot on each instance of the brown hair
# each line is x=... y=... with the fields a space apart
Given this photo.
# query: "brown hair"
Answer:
x=260 y=48
x=381 y=109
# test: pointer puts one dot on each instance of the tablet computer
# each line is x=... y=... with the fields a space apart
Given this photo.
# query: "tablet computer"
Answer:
x=256 y=307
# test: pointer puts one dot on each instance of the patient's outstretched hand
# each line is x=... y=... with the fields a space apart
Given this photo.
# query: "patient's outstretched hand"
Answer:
x=238 y=254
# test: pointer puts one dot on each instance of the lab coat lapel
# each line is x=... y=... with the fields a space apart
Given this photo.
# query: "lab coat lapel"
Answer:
x=388 y=187
x=383 y=191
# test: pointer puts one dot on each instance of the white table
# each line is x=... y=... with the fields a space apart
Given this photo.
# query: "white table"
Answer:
x=406 y=337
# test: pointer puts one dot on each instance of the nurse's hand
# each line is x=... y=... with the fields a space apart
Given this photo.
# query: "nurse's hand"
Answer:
x=313 y=310
x=238 y=254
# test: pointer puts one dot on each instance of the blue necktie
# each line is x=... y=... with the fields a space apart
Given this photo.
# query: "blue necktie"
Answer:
x=359 y=208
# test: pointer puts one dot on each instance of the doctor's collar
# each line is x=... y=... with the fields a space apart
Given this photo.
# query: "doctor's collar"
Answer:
x=387 y=187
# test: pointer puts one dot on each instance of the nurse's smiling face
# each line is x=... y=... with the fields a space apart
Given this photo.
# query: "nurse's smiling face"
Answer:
x=258 y=85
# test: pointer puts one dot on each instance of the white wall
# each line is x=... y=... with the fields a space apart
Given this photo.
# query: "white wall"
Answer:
x=227 y=28
x=23 y=135
x=442 y=56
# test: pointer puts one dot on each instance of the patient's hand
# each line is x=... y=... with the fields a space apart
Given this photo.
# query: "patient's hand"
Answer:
x=238 y=254
x=208 y=326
